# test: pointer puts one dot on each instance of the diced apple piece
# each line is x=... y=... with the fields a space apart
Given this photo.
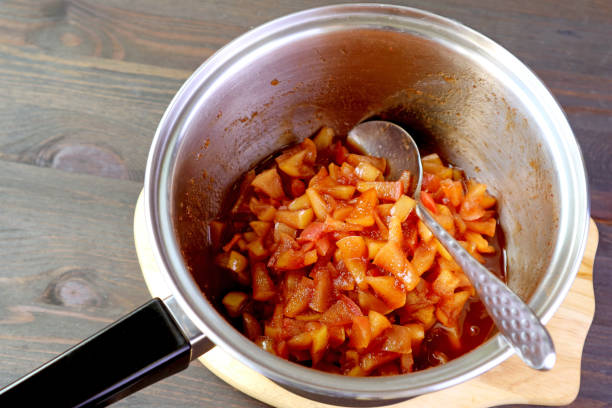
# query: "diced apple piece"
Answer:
x=299 y=300
x=396 y=235
x=313 y=232
x=471 y=248
x=320 y=207
x=453 y=190
x=387 y=289
x=398 y=339
x=431 y=159
x=426 y=316
x=449 y=264
x=261 y=228
x=471 y=210
x=263 y=211
x=272 y=331
x=402 y=208
x=369 y=302
x=365 y=206
x=235 y=262
x=320 y=340
x=392 y=259
x=296 y=219
x=322 y=296
x=360 y=333
x=294 y=165
x=384 y=209
x=481 y=244
x=324 y=138
x=269 y=182
x=337 y=336
x=445 y=218
x=382 y=228
x=356 y=371
x=483 y=227
x=385 y=190
x=334 y=171
x=263 y=286
x=378 y=323
x=433 y=164
x=301 y=341
x=342 y=213
x=445 y=284
x=424 y=257
x=250 y=326
x=257 y=250
x=370 y=361
x=300 y=203
x=282 y=349
x=428 y=202
x=417 y=333
x=459 y=223
x=250 y=236
x=310 y=257
x=347 y=174
x=367 y=172
x=352 y=247
x=353 y=251
x=450 y=308
x=282 y=228
x=242 y=244
x=340 y=191
x=487 y=201
x=430 y=182
x=341 y=312
x=266 y=343
x=289 y=259
x=406 y=363
x=378 y=162
x=323 y=246
x=308 y=317
x=373 y=247
x=298 y=161
x=234 y=302
x=329 y=186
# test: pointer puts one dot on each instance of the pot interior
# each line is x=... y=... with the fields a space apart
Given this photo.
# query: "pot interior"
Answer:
x=287 y=90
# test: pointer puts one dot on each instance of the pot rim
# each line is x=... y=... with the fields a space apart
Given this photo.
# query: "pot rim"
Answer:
x=573 y=218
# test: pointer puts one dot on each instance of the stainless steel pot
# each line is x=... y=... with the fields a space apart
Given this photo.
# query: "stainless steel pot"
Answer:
x=336 y=66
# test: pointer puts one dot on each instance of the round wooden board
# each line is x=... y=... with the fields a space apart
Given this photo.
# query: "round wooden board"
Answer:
x=509 y=383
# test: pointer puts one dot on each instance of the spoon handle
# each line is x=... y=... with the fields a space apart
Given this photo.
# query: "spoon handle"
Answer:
x=514 y=319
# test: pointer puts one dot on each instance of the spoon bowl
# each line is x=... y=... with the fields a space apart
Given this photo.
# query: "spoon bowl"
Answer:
x=513 y=318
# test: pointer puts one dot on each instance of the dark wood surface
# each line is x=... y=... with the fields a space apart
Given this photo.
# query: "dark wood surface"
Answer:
x=83 y=85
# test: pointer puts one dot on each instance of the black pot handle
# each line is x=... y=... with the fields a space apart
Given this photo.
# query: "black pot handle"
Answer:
x=139 y=349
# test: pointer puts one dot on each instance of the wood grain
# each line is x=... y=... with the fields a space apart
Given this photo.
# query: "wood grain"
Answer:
x=83 y=85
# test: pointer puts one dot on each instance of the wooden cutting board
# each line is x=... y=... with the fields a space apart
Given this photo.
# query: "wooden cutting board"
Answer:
x=509 y=383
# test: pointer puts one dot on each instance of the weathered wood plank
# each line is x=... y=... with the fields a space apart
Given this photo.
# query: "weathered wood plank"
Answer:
x=85 y=116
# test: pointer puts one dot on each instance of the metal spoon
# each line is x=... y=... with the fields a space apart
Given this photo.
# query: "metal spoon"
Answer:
x=514 y=319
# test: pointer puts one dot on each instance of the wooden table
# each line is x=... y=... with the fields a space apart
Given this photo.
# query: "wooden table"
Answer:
x=83 y=84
